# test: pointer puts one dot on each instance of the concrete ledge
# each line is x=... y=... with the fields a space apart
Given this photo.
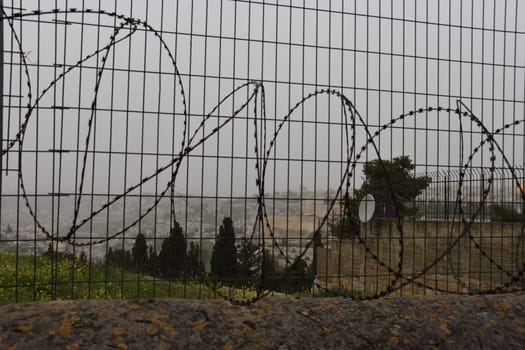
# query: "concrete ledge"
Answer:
x=441 y=322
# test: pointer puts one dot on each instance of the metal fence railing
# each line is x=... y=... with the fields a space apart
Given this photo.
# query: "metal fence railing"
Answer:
x=240 y=149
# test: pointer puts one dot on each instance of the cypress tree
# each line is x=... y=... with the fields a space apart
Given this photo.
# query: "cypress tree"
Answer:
x=172 y=256
x=140 y=252
x=194 y=267
x=223 y=258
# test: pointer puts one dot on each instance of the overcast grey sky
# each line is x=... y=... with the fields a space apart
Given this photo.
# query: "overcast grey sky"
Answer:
x=387 y=57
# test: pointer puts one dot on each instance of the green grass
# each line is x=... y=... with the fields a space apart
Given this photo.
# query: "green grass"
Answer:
x=38 y=278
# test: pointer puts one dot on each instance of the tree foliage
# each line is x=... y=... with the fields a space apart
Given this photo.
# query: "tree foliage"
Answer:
x=238 y=262
x=298 y=277
x=349 y=226
x=139 y=252
x=172 y=256
x=394 y=187
x=223 y=258
x=270 y=271
x=173 y=261
x=247 y=261
x=295 y=278
x=120 y=258
x=152 y=265
x=194 y=265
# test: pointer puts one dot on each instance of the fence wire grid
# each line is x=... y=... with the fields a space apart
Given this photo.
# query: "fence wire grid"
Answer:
x=239 y=149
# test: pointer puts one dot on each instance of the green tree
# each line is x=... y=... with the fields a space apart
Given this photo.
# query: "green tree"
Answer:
x=298 y=277
x=119 y=258
x=152 y=265
x=318 y=243
x=194 y=265
x=139 y=252
x=172 y=256
x=393 y=185
x=348 y=227
x=271 y=274
x=247 y=261
x=223 y=258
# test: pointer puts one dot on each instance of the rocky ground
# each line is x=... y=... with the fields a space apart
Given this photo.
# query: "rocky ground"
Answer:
x=440 y=322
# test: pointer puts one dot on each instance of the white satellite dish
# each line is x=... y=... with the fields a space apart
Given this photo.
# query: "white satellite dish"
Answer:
x=366 y=208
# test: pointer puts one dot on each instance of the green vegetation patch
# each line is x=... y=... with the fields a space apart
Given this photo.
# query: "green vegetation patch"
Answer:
x=39 y=278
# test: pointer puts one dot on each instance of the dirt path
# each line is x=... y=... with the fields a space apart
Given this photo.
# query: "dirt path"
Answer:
x=443 y=322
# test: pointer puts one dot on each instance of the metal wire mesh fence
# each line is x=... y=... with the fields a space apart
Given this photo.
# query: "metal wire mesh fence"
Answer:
x=242 y=148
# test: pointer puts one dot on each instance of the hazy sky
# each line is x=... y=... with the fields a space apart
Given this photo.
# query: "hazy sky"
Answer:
x=387 y=57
